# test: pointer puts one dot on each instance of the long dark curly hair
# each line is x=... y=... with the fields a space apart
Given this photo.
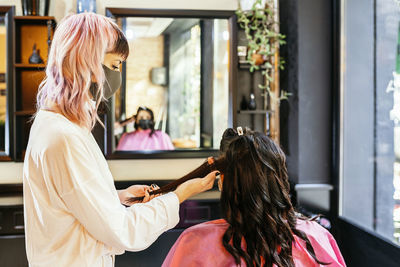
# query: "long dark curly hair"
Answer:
x=255 y=201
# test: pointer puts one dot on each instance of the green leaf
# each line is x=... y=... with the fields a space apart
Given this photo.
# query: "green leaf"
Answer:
x=268 y=65
x=253 y=27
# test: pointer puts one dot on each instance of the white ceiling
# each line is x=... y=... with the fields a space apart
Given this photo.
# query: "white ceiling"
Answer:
x=146 y=27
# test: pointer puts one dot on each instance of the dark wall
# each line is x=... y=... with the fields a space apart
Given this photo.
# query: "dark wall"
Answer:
x=289 y=116
x=362 y=248
x=306 y=117
x=315 y=84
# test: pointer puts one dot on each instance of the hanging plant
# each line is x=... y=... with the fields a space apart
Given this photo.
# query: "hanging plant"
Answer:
x=264 y=39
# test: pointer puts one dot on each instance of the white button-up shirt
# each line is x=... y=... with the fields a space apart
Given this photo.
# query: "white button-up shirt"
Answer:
x=73 y=216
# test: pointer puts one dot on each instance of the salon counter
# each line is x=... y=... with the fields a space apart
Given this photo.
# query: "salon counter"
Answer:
x=122 y=170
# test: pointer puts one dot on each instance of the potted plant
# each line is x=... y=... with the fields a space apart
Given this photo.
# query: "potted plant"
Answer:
x=263 y=36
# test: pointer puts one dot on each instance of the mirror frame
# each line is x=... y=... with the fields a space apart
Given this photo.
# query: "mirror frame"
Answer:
x=176 y=13
x=8 y=12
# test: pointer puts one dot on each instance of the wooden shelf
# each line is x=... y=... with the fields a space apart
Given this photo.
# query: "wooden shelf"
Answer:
x=30 y=66
x=35 y=18
x=257 y=111
x=246 y=66
x=25 y=112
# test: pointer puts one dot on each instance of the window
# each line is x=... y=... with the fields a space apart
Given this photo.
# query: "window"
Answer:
x=370 y=117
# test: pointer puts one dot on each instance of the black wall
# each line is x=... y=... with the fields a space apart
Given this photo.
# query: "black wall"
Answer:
x=360 y=247
x=306 y=117
x=289 y=81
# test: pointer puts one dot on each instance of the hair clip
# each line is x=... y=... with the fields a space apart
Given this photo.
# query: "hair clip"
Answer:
x=239 y=130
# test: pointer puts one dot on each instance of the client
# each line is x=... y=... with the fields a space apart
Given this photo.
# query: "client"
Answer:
x=145 y=137
x=259 y=225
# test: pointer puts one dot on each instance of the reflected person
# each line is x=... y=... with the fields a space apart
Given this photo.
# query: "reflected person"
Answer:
x=145 y=137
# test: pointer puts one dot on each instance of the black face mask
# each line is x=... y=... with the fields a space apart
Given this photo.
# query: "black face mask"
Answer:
x=145 y=124
x=111 y=83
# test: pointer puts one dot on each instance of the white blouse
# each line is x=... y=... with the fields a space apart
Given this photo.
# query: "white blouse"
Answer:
x=73 y=216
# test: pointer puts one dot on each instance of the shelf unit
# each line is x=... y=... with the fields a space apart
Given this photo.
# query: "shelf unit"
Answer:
x=268 y=105
x=269 y=110
x=29 y=30
x=28 y=112
x=29 y=66
x=257 y=111
x=247 y=66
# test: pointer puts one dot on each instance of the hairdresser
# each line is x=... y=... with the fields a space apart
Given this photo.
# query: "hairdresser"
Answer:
x=73 y=213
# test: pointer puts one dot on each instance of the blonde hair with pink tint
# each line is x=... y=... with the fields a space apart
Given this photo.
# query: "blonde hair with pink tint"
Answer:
x=75 y=60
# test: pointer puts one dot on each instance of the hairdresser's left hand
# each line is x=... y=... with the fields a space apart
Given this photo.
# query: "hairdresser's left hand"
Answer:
x=136 y=191
x=195 y=186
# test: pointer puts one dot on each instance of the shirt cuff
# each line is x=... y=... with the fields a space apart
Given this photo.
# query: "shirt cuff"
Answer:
x=171 y=203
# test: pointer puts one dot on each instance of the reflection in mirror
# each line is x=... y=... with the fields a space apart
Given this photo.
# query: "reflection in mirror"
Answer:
x=176 y=84
x=3 y=85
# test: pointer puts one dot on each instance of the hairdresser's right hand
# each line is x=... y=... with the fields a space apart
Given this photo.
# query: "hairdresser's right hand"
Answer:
x=195 y=186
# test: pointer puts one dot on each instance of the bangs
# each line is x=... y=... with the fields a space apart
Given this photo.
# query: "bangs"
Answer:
x=121 y=46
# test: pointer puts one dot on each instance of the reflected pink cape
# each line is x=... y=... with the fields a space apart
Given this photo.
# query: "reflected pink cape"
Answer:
x=201 y=245
x=140 y=140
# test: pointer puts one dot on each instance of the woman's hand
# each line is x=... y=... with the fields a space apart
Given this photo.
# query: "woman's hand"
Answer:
x=117 y=125
x=195 y=186
x=136 y=191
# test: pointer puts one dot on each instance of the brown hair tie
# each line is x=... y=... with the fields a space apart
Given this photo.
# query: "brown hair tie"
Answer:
x=210 y=165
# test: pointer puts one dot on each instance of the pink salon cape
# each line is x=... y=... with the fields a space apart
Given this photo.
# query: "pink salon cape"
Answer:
x=141 y=140
x=201 y=245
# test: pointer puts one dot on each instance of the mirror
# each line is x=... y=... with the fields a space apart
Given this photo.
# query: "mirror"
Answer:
x=3 y=84
x=175 y=95
x=6 y=79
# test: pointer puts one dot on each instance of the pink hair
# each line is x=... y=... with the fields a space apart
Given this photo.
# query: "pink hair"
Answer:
x=75 y=60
